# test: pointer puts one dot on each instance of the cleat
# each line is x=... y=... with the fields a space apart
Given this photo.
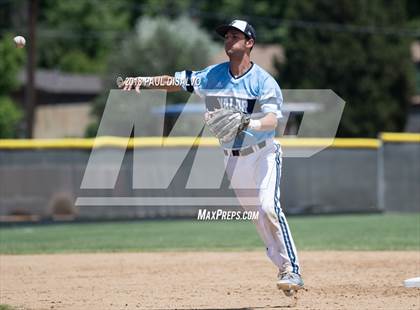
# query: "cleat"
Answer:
x=289 y=283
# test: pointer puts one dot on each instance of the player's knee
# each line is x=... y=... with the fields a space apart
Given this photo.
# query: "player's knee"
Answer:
x=269 y=208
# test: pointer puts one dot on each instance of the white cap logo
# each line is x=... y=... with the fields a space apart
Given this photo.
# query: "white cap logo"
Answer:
x=240 y=24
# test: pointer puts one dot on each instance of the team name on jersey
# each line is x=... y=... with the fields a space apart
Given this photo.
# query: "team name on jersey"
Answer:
x=232 y=102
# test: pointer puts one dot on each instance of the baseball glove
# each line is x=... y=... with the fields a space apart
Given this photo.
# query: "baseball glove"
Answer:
x=225 y=124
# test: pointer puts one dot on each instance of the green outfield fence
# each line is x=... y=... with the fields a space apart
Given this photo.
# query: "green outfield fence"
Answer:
x=40 y=179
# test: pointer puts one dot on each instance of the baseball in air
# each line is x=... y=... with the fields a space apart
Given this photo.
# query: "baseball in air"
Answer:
x=19 y=41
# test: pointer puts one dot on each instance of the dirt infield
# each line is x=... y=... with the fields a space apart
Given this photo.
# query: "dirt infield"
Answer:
x=240 y=280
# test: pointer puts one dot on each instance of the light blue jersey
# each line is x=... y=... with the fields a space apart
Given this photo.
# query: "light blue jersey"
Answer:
x=255 y=93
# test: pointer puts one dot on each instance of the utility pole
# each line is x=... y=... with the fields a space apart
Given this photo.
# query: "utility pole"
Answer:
x=30 y=69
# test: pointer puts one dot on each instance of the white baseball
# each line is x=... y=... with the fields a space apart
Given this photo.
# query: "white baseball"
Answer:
x=19 y=41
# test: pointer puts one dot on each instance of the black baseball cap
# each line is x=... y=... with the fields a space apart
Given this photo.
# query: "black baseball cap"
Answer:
x=240 y=25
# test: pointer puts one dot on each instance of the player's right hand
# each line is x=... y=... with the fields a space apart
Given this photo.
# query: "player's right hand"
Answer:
x=129 y=83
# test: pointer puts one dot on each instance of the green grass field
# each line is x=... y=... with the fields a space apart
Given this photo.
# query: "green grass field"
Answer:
x=345 y=232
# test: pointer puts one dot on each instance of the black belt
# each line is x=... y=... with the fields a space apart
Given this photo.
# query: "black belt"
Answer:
x=245 y=151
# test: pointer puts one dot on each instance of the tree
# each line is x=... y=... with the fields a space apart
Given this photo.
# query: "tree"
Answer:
x=413 y=12
x=371 y=71
x=11 y=62
x=264 y=15
x=10 y=115
x=76 y=36
x=158 y=46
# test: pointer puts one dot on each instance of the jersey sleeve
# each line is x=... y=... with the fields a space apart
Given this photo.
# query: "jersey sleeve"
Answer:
x=192 y=81
x=271 y=97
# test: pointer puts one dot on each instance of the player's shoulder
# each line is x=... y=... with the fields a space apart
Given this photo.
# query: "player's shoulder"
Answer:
x=216 y=67
x=265 y=78
x=216 y=73
x=263 y=74
x=260 y=70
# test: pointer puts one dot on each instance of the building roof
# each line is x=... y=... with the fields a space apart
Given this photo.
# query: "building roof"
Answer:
x=54 y=81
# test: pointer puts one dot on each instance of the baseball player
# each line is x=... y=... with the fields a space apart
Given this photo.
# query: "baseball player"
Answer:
x=243 y=104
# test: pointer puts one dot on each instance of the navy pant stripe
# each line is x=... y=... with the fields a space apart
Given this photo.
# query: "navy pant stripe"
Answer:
x=281 y=220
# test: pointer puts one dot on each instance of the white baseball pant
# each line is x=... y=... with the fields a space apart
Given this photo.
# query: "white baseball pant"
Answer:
x=255 y=179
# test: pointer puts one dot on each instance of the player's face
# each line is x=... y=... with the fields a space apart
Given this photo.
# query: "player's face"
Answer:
x=235 y=42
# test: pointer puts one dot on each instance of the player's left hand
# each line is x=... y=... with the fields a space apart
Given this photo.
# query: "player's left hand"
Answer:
x=225 y=124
